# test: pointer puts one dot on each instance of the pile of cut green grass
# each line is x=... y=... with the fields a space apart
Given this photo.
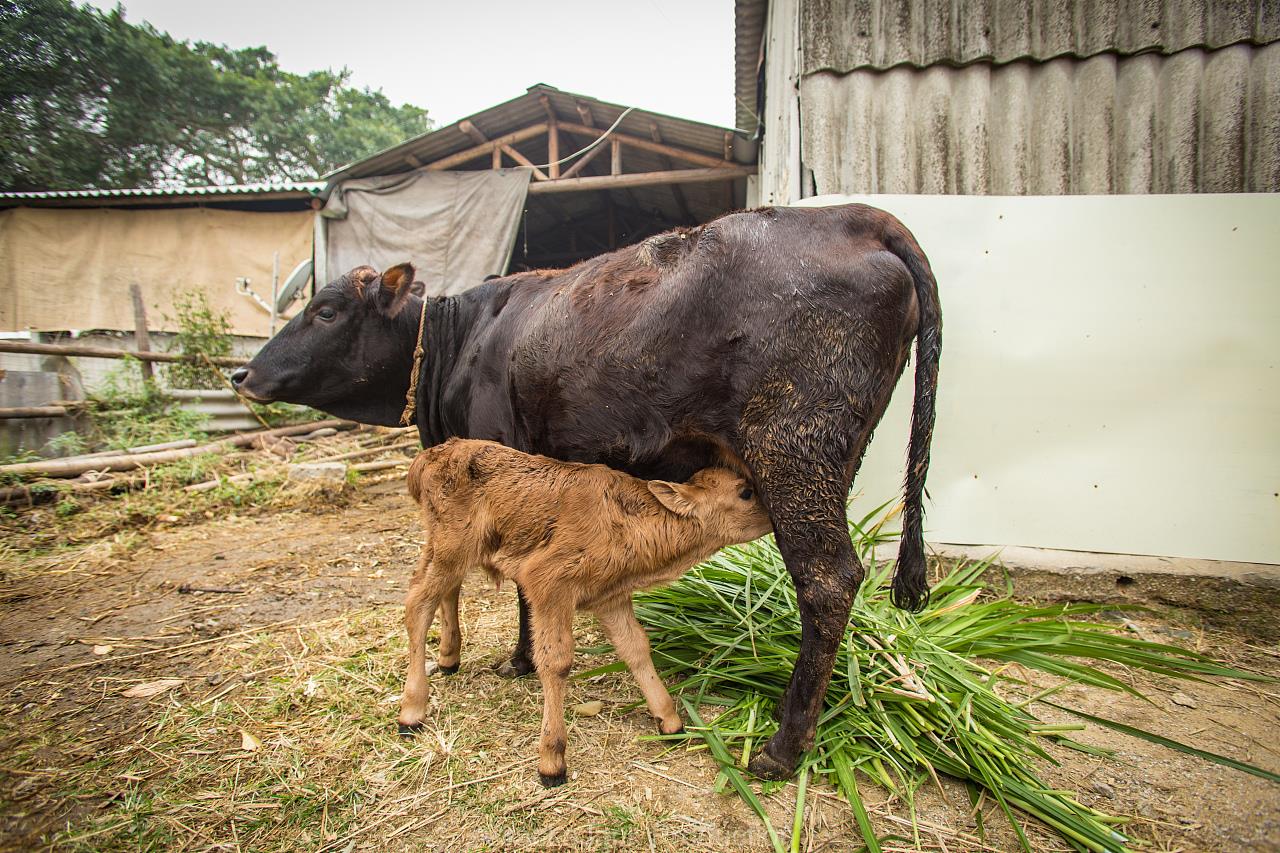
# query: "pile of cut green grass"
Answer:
x=911 y=697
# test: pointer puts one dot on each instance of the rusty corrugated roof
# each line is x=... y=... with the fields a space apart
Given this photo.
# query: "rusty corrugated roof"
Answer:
x=844 y=35
x=748 y=32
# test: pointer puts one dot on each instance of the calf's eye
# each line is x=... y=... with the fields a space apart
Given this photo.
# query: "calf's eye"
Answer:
x=746 y=494
x=326 y=314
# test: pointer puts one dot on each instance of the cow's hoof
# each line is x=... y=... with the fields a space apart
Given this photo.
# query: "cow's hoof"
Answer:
x=514 y=668
x=553 y=781
x=766 y=766
x=448 y=670
x=409 y=729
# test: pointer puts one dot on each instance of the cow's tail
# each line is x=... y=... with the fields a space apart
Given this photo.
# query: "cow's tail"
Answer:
x=910 y=581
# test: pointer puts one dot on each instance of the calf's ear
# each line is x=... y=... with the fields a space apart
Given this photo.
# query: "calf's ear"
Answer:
x=673 y=496
x=396 y=288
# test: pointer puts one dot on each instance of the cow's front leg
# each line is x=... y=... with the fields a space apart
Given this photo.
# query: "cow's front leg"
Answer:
x=521 y=662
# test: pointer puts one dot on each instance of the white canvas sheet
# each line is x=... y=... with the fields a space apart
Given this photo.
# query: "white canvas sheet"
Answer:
x=455 y=227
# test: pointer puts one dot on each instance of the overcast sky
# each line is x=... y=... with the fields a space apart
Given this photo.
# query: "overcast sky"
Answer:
x=457 y=58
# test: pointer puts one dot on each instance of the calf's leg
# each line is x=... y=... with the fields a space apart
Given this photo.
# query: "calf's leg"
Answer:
x=628 y=637
x=553 y=655
x=431 y=583
x=450 y=633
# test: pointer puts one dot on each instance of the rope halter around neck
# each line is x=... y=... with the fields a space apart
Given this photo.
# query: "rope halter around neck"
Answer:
x=411 y=397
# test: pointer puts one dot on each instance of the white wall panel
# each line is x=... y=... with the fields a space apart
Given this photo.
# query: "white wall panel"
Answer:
x=1110 y=373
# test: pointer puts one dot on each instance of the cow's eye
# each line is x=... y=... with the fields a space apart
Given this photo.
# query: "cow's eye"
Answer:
x=327 y=314
x=746 y=494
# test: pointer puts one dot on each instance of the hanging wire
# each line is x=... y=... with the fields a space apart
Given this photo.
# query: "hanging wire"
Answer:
x=582 y=151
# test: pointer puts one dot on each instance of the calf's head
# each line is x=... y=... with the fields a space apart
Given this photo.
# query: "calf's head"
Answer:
x=348 y=353
x=725 y=504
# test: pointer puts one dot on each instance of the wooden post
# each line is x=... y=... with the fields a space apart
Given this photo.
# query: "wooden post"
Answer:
x=655 y=133
x=615 y=152
x=141 y=337
x=613 y=220
x=497 y=158
x=553 y=138
x=553 y=150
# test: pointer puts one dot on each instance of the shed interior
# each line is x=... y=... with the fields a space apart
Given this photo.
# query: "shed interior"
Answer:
x=653 y=173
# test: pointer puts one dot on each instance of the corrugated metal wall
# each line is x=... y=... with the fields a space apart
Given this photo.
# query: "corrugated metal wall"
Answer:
x=841 y=35
x=929 y=103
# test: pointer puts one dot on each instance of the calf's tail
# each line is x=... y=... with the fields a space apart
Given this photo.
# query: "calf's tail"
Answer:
x=910 y=582
x=417 y=476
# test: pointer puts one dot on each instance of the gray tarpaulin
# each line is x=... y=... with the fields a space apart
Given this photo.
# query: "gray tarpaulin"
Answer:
x=455 y=227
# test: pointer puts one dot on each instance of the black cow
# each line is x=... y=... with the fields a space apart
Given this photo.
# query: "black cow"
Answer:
x=769 y=341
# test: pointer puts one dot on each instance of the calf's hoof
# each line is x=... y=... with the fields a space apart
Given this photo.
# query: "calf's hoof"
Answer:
x=409 y=729
x=670 y=727
x=514 y=668
x=766 y=766
x=553 y=781
x=448 y=670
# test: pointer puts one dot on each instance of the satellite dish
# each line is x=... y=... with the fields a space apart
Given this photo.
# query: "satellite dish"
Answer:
x=293 y=286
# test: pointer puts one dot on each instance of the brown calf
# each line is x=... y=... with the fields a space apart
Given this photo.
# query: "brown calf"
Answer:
x=572 y=537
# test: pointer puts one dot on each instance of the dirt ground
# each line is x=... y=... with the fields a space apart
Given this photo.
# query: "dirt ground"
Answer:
x=277 y=729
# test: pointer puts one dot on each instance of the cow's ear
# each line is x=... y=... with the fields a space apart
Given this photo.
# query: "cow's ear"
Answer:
x=397 y=286
x=673 y=496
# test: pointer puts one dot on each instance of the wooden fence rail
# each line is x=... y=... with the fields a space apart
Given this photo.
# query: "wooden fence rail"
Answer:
x=29 y=348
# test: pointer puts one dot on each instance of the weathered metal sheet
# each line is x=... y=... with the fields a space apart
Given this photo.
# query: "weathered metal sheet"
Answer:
x=1194 y=122
x=748 y=33
x=267 y=188
x=843 y=35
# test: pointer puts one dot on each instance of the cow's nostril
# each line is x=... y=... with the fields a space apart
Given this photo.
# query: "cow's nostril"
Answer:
x=239 y=376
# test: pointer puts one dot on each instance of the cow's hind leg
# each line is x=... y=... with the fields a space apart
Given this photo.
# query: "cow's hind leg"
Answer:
x=804 y=469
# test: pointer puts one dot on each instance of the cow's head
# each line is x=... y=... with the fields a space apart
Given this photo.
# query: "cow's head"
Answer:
x=348 y=353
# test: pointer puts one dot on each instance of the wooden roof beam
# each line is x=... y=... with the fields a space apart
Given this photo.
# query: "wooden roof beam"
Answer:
x=538 y=174
x=695 y=157
x=584 y=113
x=474 y=132
x=641 y=179
x=582 y=161
x=487 y=148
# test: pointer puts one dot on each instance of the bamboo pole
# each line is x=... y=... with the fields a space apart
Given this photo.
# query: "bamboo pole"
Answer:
x=142 y=448
x=31 y=348
x=17 y=412
x=16 y=494
x=74 y=468
x=640 y=179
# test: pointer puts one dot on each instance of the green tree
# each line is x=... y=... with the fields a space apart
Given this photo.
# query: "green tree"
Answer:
x=90 y=100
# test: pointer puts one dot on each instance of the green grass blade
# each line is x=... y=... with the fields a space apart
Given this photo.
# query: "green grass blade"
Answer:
x=1150 y=737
